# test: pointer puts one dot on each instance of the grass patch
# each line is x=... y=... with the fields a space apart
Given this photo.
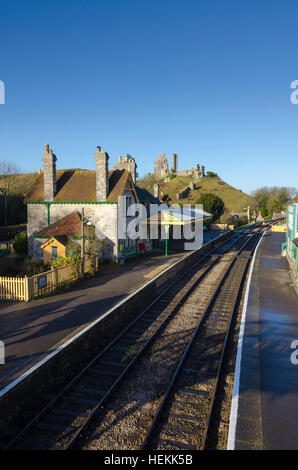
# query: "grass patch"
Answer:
x=235 y=199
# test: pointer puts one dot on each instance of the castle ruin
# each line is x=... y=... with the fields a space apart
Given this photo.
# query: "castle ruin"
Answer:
x=161 y=168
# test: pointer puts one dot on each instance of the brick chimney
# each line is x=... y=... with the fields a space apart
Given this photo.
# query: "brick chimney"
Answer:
x=49 y=164
x=128 y=164
x=102 y=175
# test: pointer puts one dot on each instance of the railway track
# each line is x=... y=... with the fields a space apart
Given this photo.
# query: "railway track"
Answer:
x=182 y=419
x=63 y=422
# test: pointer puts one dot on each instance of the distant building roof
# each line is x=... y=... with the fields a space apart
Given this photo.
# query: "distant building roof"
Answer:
x=69 y=226
x=79 y=186
x=172 y=216
x=294 y=200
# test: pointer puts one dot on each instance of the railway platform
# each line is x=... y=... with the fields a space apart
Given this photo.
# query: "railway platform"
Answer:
x=264 y=412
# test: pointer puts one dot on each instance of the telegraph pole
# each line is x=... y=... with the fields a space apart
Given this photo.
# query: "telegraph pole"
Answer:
x=247 y=209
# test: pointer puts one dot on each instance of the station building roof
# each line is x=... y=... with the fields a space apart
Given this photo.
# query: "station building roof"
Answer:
x=69 y=226
x=80 y=186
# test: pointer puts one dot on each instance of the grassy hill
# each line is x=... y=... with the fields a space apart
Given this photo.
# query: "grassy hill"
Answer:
x=18 y=184
x=235 y=199
x=12 y=208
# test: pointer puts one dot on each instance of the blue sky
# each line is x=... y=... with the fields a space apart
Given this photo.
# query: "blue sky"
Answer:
x=209 y=80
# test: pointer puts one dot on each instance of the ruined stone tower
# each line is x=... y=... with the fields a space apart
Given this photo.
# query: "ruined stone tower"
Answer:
x=161 y=167
x=175 y=162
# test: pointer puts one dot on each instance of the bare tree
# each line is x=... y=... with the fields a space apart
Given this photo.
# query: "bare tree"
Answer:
x=8 y=171
x=273 y=199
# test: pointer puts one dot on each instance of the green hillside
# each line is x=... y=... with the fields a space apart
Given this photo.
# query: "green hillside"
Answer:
x=15 y=187
x=18 y=184
x=235 y=199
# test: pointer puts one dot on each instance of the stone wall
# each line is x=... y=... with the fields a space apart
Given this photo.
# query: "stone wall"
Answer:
x=197 y=172
x=185 y=192
x=104 y=214
x=37 y=219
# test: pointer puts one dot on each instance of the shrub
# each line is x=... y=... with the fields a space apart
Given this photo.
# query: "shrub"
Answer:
x=264 y=212
x=61 y=261
x=212 y=204
x=35 y=266
x=74 y=261
x=243 y=220
x=211 y=174
x=20 y=245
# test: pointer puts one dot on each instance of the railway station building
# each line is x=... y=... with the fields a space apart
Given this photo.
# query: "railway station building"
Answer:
x=60 y=202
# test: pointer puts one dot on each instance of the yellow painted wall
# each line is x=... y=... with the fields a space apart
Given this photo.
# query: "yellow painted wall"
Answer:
x=47 y=251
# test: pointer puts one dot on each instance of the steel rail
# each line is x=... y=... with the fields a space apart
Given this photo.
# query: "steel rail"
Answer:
x=142 y=350
x=164 y=402
x=78 y=433
x=82 y=372
x=128 y=368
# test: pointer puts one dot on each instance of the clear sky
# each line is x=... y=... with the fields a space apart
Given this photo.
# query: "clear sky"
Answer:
x=207 y=79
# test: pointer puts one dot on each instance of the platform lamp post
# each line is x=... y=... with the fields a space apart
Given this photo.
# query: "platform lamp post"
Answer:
x=83 y=238
x=167 y=234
